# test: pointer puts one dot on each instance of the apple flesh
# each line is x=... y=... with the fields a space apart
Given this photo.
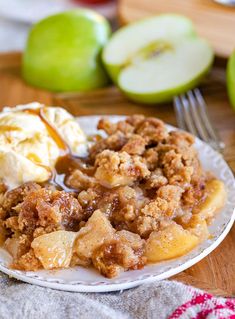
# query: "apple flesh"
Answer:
x=231 y=79
x=129 y=40
x=63 y=52
x=167 y=74
x=157 y=58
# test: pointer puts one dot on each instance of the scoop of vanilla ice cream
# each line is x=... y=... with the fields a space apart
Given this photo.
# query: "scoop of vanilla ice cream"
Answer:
x=27 y=150
x=68 y=128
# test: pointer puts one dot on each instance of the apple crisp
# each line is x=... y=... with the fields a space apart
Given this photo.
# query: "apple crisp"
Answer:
x=140 y=196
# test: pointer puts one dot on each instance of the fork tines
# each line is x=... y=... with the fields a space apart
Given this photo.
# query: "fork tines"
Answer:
x=192 y=116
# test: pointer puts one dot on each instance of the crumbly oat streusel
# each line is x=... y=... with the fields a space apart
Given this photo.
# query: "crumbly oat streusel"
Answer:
x=141 y=179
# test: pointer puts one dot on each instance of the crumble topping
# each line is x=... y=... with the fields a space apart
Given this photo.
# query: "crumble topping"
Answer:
x=143 y=180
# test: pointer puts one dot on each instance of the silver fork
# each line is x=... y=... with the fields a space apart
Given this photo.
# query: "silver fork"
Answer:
x=191 y=114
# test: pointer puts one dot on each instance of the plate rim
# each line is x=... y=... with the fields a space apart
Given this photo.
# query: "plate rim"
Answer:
x=100 y=286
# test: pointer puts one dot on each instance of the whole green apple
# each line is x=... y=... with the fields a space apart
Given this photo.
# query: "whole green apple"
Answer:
x=231 y=78
x=63 y=52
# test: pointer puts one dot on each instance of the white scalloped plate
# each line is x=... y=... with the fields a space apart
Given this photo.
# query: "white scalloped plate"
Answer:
x=87 y=280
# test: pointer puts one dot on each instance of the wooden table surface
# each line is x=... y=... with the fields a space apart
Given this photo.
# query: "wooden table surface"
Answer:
x=216 y=272
x=212 y=20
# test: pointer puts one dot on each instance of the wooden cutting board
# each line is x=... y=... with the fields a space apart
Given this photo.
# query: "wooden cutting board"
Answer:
x=212 y=20
x=215 y=273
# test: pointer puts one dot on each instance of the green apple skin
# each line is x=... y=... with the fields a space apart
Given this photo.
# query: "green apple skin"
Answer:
x=167 y=95
x=63 y=52
x=114 y=69
x=231 y=79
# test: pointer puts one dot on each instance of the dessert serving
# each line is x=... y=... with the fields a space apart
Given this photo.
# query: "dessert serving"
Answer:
x=117 y=202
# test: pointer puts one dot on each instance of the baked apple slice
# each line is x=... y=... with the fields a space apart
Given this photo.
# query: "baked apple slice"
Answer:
x=54 y=250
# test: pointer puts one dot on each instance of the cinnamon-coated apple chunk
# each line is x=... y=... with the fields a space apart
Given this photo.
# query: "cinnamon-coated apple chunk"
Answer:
x=96 y=231
x=12 y=246
x=215 y=199
x=54 y=250
x=171 y=242
x=198 y=227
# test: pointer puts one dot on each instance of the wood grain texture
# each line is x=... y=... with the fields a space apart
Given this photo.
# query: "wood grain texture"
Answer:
x=212 y=20
x=215 y=273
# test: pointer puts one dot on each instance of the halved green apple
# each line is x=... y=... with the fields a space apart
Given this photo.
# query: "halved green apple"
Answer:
x=154 y=59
